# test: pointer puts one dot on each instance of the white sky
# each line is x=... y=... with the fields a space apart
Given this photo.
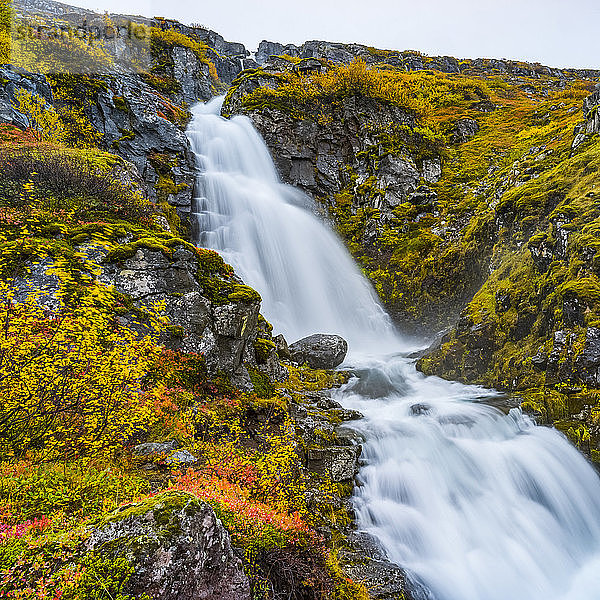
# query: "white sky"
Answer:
x=559 y=33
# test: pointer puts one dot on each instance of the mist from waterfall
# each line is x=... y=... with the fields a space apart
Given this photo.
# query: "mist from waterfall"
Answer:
x=478 y=503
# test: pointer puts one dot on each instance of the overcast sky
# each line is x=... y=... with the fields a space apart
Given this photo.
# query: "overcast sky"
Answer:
x=561 y=33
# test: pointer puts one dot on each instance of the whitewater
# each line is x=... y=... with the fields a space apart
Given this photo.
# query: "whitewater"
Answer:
x=476 y=502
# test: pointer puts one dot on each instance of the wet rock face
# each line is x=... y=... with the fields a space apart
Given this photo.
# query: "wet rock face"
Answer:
x=10 y=82
x=178 y=548
x=309 y=154
x=319 y=351
x=410 y=60
x=129 y=105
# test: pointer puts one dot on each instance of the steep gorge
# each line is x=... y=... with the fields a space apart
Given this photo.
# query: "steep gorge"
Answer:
x=466 y=193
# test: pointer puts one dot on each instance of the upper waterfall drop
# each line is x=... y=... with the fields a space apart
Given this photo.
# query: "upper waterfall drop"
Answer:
x=267 y=232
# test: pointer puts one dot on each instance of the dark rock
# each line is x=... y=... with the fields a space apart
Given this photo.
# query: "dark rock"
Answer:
x=339 y=463
x=178 y=548
x=464 y=130
x=10 y=82
x=539 y=361
x=542 y=253
x=320 y=351
x=282 y=348
x=588 y=362
x=151 y=134
x=503 y=302
x=523 y=325
x=573 y=311
x=223 y=333
x=383 y=579
x=420 y=409
x=484 y=106
x=376 y=383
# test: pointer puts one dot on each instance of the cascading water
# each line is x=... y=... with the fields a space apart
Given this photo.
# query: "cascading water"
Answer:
x=478 y=504
x=307 y=280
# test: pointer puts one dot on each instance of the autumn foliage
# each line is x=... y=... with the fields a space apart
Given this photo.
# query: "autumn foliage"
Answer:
x=70 y=379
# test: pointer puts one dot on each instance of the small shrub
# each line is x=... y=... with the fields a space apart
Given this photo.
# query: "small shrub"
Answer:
x=85 y=184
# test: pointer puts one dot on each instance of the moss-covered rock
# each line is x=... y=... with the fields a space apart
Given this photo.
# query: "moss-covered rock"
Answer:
x=177 y=549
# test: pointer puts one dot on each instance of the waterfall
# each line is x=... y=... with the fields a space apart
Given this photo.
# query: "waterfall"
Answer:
x=478 y=503
x=268 y=233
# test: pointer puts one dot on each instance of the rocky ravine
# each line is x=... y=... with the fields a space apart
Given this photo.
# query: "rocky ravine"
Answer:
x=467 y=209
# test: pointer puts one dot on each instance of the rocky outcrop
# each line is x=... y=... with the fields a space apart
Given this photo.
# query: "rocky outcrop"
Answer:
x=366 y=562
x=224 y=331
x=210 y=311
x=141 y=125
x=464 y=130
x=177 y=547
x=229 y=58
x=319 y=351
x=11 y=81
x=374 y=176
x=318 y=158
x=591 y=114
x=415 y=61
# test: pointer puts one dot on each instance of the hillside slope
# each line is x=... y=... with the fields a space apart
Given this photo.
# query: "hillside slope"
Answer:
x=471 y=193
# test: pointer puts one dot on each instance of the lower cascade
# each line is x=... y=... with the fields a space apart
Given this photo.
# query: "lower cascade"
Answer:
x=476 y=502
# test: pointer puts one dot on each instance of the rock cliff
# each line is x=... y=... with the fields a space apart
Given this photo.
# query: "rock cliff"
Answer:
x=484 y=197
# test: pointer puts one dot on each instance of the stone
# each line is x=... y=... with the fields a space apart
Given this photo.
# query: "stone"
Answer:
x=177 y=546
x=464 y=130
x=588 y=362
x=320 y=351
x=155 y=448
x=339 y=463
x=180 y=457
x=432 y=170
x=282 y=348
x=383 y=579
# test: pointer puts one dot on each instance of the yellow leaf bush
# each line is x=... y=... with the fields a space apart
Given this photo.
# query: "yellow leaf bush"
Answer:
x=70 y=380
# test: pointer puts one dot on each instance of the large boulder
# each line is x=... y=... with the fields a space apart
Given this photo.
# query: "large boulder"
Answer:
x=320 y=351
x=178 y=548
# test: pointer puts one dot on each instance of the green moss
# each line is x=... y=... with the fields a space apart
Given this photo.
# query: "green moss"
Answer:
x=263 y=349
x=163 y=84
x=126 y=251
x=162 y=507
x=243 y=293
x=120 y=103
x=263 y=386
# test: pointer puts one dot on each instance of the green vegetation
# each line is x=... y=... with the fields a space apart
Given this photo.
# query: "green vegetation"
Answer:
x=79 y=389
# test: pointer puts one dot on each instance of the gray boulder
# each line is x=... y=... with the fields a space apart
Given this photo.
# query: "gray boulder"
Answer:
x=338 y=463
x=464 y=130
x=178 y=548
x=320 y=351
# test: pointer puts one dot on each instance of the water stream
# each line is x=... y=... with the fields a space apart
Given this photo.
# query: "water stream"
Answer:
x=477 y=503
